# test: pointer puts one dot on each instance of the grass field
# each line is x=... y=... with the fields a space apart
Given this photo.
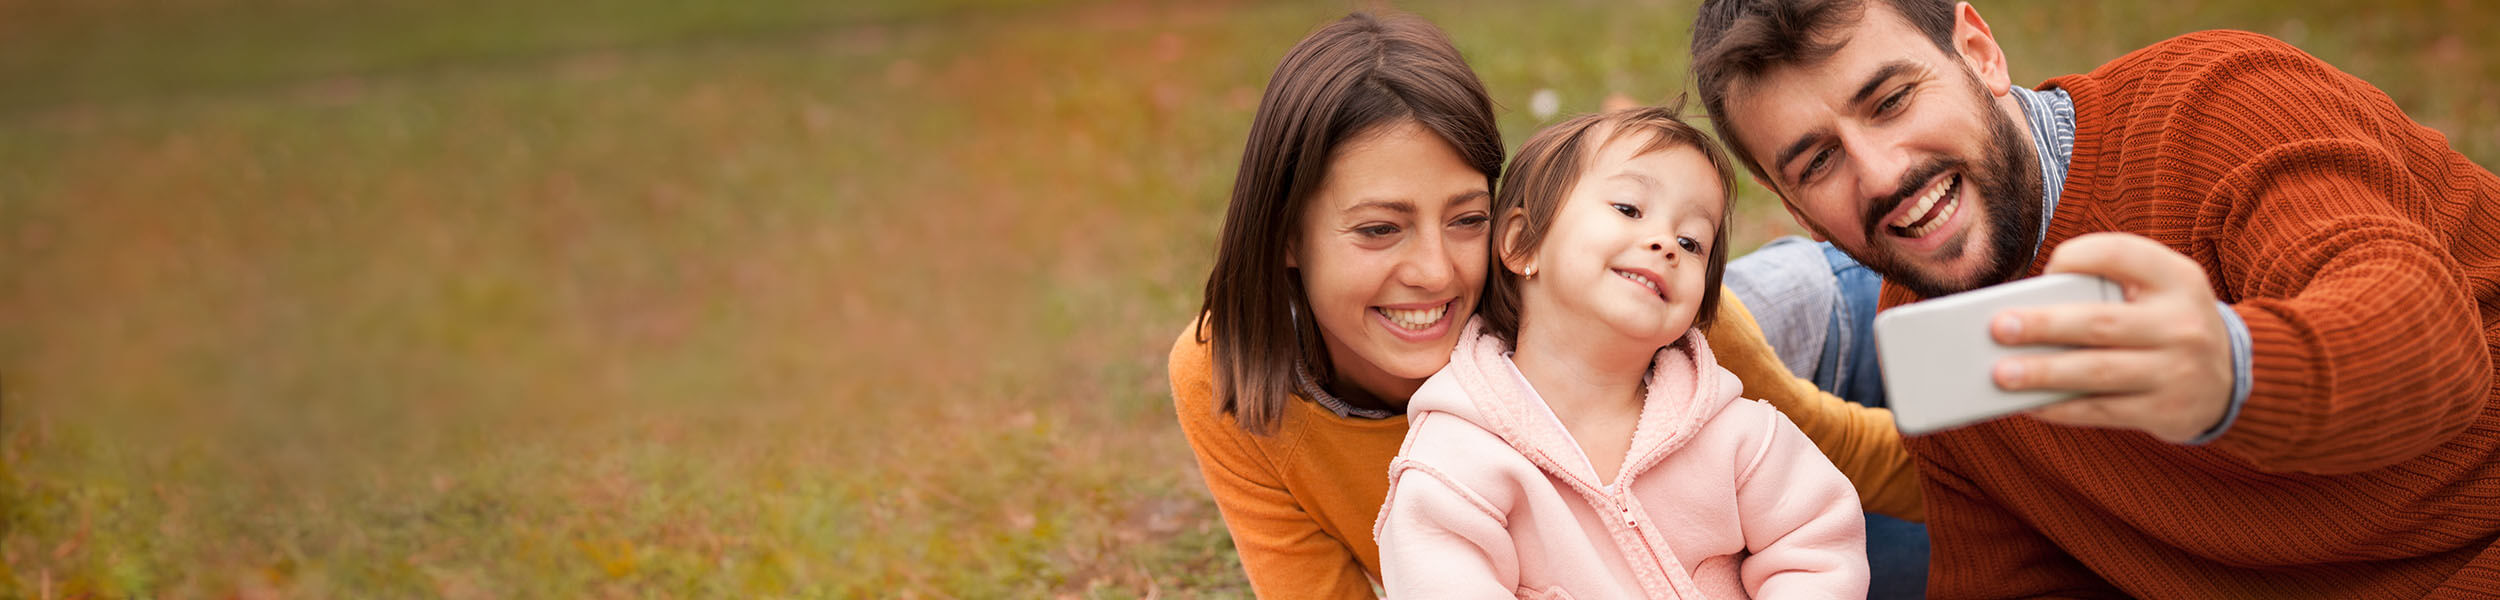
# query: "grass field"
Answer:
x=637 y=298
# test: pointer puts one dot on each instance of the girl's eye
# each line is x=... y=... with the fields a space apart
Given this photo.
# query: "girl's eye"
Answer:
x=1378 y=230
x=1627 y=210
x=1688 y=244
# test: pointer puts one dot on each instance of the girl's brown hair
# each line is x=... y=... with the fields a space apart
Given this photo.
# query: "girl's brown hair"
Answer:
x=1346 y=80
x=1541 y=179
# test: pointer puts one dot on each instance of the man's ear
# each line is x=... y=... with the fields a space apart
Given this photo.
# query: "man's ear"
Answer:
x=1979 y=49
x=1514 y=224
x=1811 y=230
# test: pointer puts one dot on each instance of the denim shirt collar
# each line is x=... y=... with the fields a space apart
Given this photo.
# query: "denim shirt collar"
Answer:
x=2051 y=115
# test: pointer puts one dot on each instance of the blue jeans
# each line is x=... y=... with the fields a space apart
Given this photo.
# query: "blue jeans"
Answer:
x=1817 y=307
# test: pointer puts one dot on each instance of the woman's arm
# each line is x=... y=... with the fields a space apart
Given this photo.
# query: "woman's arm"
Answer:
x=1283 y=550
x=1859 y=440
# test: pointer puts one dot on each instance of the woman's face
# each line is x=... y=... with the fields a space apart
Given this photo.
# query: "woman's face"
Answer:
x=1392 y=253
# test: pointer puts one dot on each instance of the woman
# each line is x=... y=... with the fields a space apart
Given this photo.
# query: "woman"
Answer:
x=1353 y=251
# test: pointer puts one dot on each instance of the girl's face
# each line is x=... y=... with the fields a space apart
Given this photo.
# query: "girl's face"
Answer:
x=1392 y=253
x=1626 y=257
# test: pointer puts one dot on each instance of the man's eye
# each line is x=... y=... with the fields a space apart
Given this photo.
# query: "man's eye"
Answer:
x=1689 y=244
x=1627 y=210
x=1893 y=102
x=1815 y=165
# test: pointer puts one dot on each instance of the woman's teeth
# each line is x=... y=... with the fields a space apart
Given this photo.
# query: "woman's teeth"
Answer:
x=1414 y=319
x=1932 y=210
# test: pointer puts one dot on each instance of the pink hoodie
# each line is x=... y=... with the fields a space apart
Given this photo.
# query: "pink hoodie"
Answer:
x=1490 y=497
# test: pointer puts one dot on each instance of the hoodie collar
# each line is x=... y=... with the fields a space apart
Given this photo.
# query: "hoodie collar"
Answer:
x=1686 y=389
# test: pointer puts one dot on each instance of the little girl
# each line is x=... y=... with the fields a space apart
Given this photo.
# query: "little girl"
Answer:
x=1582 y=443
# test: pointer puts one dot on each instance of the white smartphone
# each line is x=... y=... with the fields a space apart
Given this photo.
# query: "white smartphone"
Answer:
x=1937 y=356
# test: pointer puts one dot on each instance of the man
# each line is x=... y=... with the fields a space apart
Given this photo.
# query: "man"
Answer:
x=2297 y=398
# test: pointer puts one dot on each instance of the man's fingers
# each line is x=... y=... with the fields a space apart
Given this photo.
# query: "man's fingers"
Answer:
x=2099 y=325
x=2137 y=263
x=2092 y=371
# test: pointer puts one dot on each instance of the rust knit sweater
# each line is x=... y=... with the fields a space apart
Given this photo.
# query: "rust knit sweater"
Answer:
x=2364 y=255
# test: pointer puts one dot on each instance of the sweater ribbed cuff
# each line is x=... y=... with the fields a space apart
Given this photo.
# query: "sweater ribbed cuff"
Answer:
x=2273 y=420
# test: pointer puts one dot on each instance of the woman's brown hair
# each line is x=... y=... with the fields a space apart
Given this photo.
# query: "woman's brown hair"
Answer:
x=1346 y=80
x=1541 y=179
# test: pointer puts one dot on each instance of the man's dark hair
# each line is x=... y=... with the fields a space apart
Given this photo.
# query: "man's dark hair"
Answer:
x=1735 y=41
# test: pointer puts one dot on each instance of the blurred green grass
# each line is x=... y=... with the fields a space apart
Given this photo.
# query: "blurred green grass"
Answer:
x=775 y=298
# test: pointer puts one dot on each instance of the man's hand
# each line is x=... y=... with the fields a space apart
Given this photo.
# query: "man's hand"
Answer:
x=2159 y=363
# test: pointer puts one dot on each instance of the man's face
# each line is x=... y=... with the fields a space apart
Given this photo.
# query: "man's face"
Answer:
x=1899 y=154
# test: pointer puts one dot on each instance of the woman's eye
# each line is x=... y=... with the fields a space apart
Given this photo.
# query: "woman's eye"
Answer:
x=1473 y=221
x=1627 y=210
x=1689 y=244
x=1378 y=230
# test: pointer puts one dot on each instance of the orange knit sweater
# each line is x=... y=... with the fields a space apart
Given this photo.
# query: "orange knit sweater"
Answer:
x=2364 y=255
x=1300 y=503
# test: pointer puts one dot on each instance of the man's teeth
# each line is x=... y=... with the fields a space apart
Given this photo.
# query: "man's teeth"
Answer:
x=1926 y=204
x=1637 y=278
x=1415 y=319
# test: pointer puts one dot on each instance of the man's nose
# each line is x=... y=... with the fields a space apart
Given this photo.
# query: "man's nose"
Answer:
x=1879 y=165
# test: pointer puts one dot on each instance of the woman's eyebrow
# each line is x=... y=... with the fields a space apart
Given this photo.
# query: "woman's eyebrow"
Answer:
x=1404 y=207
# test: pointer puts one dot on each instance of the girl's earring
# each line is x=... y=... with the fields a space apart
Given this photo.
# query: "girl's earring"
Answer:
x=1531 y=274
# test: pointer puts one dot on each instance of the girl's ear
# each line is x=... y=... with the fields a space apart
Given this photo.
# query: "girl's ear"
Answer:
x=1514 y=224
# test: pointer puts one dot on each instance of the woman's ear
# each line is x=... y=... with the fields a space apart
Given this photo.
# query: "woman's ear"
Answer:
x=1514 y=224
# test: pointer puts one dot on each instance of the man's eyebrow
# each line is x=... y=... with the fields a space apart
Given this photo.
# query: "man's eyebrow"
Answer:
x=1889 y=71
x=1799 y=147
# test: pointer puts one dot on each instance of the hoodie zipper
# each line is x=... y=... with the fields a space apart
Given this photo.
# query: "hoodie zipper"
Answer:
x=1657 y=560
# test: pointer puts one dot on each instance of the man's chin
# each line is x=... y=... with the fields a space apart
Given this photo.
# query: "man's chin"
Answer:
x=1930 y=280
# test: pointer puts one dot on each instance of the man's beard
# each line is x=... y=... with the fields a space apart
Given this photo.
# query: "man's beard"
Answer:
x=2007 y=180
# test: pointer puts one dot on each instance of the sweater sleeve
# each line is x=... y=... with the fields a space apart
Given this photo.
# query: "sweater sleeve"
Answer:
x=1438 y=540
x=1858 y=439
x=2366 y=348
x=1801 y=521
x=1992 y=553
x=1283 y=550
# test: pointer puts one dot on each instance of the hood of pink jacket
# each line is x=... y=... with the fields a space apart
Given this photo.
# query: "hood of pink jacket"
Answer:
x=1686 y=389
